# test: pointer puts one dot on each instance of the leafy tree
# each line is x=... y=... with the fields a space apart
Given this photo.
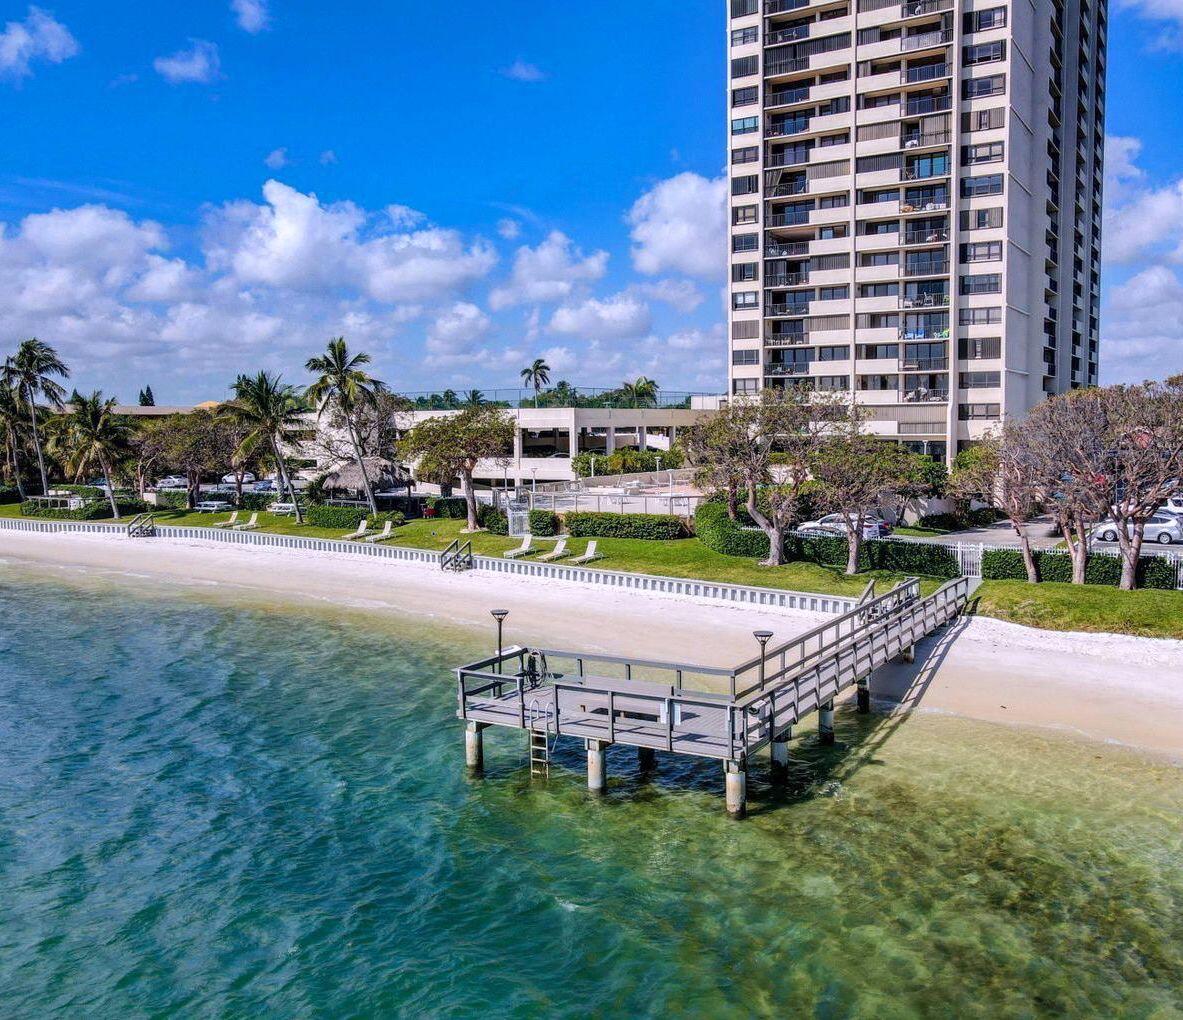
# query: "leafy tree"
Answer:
x=346 y=386
x=195 y=444
x=714 y=448
x=536 y=375
x=642 y=392
x=146 y=397
x=12 y=428
x=474 y=398
x=451 y=446
x=96 y=435
x=272 y=413
x=31 y=372
x=147 y=444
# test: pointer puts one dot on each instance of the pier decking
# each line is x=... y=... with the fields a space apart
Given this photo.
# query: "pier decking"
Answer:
x=723 y=713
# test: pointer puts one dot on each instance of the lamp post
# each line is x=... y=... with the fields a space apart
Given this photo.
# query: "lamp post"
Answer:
x=533 y=483
x=593 y=465
x=763 y=636
x=499 y=615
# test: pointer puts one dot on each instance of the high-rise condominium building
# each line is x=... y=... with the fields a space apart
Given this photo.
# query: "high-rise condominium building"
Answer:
x=916 y=205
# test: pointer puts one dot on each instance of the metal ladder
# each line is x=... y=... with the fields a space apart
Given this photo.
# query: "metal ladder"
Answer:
x=541 y=744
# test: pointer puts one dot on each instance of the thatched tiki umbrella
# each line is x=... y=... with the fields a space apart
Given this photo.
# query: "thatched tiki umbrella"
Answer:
x=383 y=474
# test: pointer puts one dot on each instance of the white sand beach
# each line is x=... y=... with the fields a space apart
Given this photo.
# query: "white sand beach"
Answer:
x=1123 y=690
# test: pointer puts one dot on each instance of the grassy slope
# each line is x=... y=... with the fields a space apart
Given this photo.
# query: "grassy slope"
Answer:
x=1083 y=607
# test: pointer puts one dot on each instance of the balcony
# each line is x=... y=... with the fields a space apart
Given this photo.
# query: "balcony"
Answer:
x=926 y=236
x=787 y=368
x=786 y=279
x=787 y=128
x=787 y=190
x=924 y=301
x=925 y=364
x=925 y=40
x=780 y=250
x=793 y=219
x=783 y=97
x=928 y=104
x=923 y=207
x=917 y=140
x=786 y=339
x=774 y=308
x=930 y=72
x=923 y=333
x=782 y=6
x=787 y=35
x=911 y=173
x=775 y=67
x=794 y=157
x=929 y=267
x=919 y=7
x=924 y=395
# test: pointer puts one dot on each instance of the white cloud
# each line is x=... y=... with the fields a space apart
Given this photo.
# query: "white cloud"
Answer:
x=328 y=158
x=680 y=294
x=614 y=318
x=277 y=159
x=561 y=359
x=459 y=329
x=680 y=225
x=519 y=70
x=252 y=15
x=38 y=37
x=200 y=63
x=509 y=229
x=1140 y=221
x=1143 y=327
x=165 y=281
x=550 y=272
x=1120 y=167
x=1168 y=11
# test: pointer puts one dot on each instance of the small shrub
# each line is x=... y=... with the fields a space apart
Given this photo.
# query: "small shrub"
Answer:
x=91 y=510
x=626 y=461
x=492 y=520
x=172 y=499
x=256 y=500
x=85 y=491
x=1003 y=565
x=543 y=523
x=721 y=534
x=348 y=517
x=450 y=507
x=653 y=527
x=940 y=522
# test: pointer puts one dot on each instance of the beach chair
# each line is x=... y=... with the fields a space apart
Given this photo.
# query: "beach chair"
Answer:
x=522 y=550
x=250 y=525
x=557 y=553
x=363 y=529
x=381 y=536
x=590 y=555
x=228 y=524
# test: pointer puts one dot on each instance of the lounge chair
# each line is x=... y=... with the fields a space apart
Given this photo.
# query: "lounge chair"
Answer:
x=228 y=524
x=522 y=550
x=590 y=555
x=557 y=553
x=380 y=536
x=363 y=529
x=250 y=525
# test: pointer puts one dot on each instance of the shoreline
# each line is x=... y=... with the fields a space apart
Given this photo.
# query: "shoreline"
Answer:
x=1115 y=689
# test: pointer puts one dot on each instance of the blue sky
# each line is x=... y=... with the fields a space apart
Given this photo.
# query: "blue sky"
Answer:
x=193 y=190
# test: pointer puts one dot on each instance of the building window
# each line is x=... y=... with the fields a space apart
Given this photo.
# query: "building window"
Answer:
x=870 y=290
x=745 y=329
x=978 y=412
x=742 y=8
x=832 y=382
x=983 y=120
x=750 y=154
x=992 y=85
x=745 y=386
x=742 y=214
x=745 y=242
x=877 y=352
x=881 y=227
x=840 y=352
x=743 y=36
x=981 y=219
x=834 y=201
x=975 y=187
x=745 y=125
x=982 y=283
x=831 y=232
x=879 y=258
x=989 y=152
x=745 y=96
x=982 y=21
x=983 y=53
x=744 y=67
x=979 y=348
x=748 y=185
x=745 y=272
x=980 y=380
x=745 y=299
x=833 y=293
x=749 y=357
x=982 y=251
x=979 y=316
x=878 y=383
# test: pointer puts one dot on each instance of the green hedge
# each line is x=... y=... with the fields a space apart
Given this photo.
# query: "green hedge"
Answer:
x=544 y=523
x=492 y=520
x=256 y=500
x=451 y=507
x=983 y=517
x=91 y=510
x=654 y=527
x=721 y=534
x=626 y=461
x=1007 y=565
x=348 y=517
x=9 y=494
x=85 y=491
x=172 y=499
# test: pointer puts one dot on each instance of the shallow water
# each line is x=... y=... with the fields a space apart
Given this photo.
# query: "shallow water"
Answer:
x=215 y=806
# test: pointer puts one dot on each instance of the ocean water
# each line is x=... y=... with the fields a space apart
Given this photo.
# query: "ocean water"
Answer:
x=211 y=805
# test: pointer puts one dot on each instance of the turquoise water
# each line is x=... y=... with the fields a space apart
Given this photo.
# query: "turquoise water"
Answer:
x=215 y=806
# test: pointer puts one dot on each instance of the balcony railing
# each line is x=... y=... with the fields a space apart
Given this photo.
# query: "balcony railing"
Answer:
x=787 y=128
x=925 y=364
x=933 y=267
x=786 y=249
x=786 y=66
x=931 y=206
x=794 y=157
x=792 y=308
x=930 y=236
x=788 y=219
x=786 y=339
x=781 y=6
x=924 y=301
x=928 y=104
x=918 y=7
x=786 y=35
x=929 y=72
x=923 y=395
x=923 y=333
x=919 y=140
x=925 y=40
x=791 y=368
x=786 y=279
x=783 y=97
x=786 y=190
x=911 y=173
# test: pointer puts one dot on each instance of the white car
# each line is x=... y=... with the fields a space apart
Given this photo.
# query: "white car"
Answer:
x=247 y=479
x=1161 y=528
x=873 y=527
x=173 y=482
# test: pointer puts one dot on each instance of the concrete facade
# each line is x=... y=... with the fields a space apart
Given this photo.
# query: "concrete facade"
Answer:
x=915 y=205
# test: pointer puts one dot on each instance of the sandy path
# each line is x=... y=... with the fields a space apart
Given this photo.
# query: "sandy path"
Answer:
x=1121 y=689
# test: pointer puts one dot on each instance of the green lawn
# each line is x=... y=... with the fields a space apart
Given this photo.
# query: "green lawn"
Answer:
x=920 y=532
x=10 y=510
x=1146 y=613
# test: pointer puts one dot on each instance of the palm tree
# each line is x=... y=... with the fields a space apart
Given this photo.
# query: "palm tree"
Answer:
x=30 y=371
x=12 y=424
x=95 y=434
x=641 y=393
x=271 y=411
x=450 y=399
x=536 y=375
x=474 y=398
x=344 y=384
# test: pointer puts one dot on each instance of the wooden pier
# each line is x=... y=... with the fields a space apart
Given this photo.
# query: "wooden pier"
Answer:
x=727 y=714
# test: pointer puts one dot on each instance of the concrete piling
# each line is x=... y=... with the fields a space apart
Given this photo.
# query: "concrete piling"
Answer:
x=864 y=695
x=736 y=786
x=778 y=750
x=474 y=746
x=825 y=722
x=597 y=766
x=646 y=759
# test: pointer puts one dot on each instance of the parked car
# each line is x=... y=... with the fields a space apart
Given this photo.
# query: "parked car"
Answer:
x=265 y=486
x=231 y=479
x=1173 y=505
x=173 y=482
x=1162 y=528
x=213 y=506
x=873 y=527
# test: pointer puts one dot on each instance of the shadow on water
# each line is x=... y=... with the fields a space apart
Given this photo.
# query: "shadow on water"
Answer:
x=815 y=769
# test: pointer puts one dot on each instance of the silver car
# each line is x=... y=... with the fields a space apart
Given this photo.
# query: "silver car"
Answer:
x=1161 y=528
